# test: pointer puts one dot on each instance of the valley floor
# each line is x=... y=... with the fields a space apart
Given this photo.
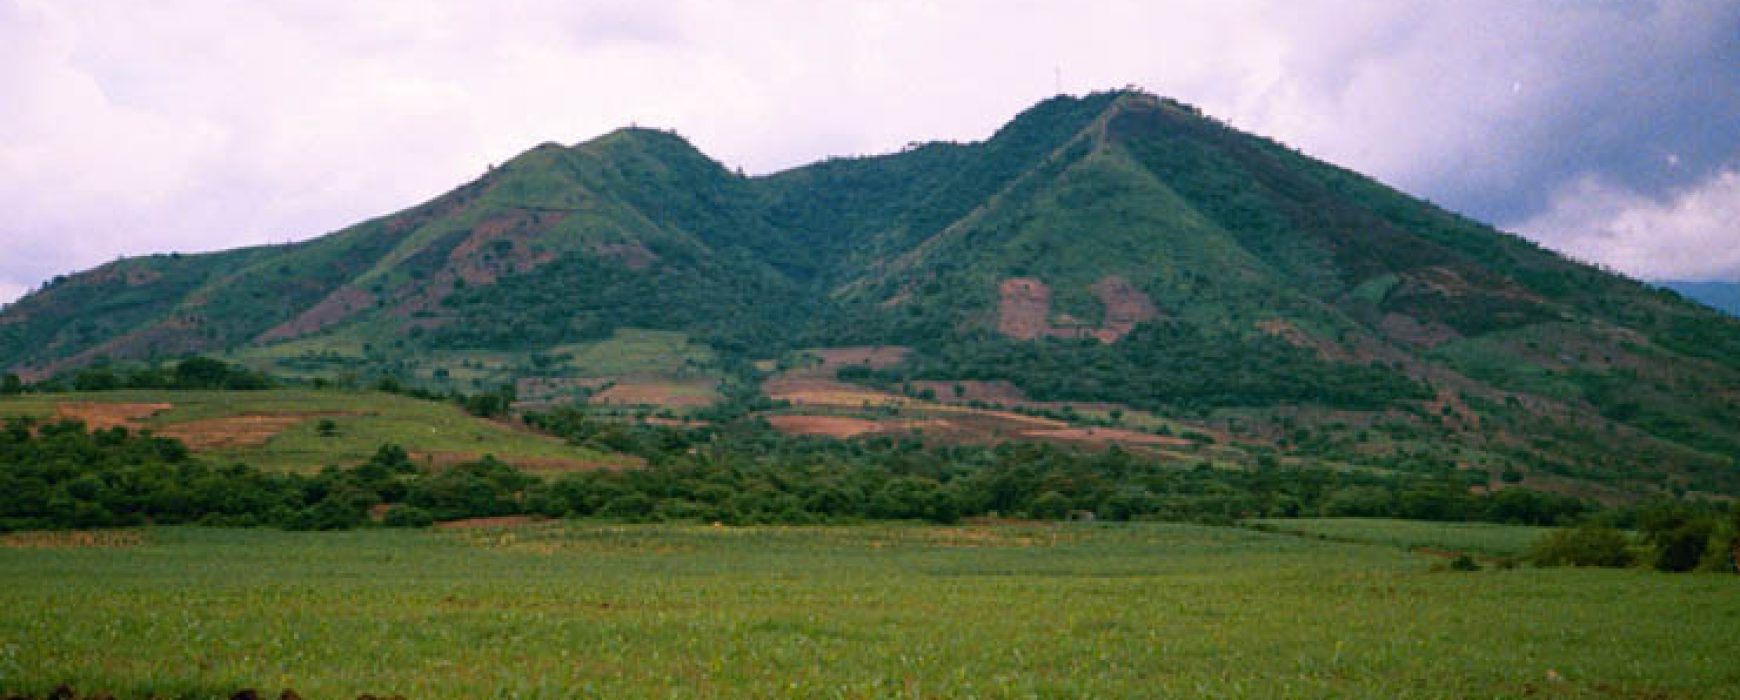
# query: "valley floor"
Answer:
x=992 y=610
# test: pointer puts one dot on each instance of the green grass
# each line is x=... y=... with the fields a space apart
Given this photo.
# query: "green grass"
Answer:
x=364 y=422
x=590 y=610
x=1474 y=538
x=637 y=351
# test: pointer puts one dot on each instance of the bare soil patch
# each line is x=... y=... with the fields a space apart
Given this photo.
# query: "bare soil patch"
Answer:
x=78 y=539
x=1410 y=330
x=634 y=391
x=242 y=430
x=439 y=459
x=177 y=335
x=673 y=422
x=997 y=391
x=1105 y=436
x=844 y=427
x=337 y=306
x=1295 y=336
x=872 y=356
x=102 y=416
x=502 y=521
x=1024 y=310
x=801 y=391
x=1125 y=305
x=544 y=390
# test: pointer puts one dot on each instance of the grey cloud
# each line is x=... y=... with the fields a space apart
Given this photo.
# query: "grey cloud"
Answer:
x=1691 y=234
x=132 y=128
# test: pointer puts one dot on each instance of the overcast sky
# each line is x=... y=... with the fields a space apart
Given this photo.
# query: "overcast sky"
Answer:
x=1610 y=130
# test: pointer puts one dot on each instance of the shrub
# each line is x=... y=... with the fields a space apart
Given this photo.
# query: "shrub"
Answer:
x=1681 y=548
x=407 y=516
x=1586 y=545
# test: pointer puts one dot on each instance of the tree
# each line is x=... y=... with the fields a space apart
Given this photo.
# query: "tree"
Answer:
x=1585 y=545
x=201 y=373
x=11 y=384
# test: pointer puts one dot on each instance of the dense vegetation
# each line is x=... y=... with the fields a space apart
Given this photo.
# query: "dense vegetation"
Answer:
x=193 y=372
x=1284 y=289
x=60 y=475
x=1160 y=367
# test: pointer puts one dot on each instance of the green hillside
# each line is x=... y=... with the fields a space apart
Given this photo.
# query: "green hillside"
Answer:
x=1118 y=261
x=1721 y=296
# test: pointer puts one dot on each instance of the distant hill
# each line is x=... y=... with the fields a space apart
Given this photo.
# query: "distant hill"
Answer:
x=1119 y=258
x=1722 y=296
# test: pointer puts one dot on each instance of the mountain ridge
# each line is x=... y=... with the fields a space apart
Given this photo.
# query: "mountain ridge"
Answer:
x=1118 y=248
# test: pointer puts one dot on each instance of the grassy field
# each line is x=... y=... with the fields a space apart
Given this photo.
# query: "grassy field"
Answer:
x=637 y=351
x=565 y=610
x=280 y=429
x=1474 y=538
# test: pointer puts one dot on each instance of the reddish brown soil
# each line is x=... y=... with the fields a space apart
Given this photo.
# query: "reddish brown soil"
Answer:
x=544 y=391
x=1409 y=330
x=1125 y=305
x=1105 y=436
x=998 y=392
x=97 y=416
x=1024 y=310
x=241 y=430
x=78 y=539
x=811 y=391
x=438 y=460
x=673 y=422
x=682 y=393
x=900 y=297
x=478 y=262
x=180 y=335
x=843 y=427
x=831 y=426
x=1449 y=282
x=503 y=521
x=1297 y=337
x=872 y=356
x=337 y=306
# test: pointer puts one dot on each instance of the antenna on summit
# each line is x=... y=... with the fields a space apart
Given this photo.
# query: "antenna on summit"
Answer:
x=1058 y=72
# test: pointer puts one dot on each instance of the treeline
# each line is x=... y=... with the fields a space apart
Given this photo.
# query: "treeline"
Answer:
x=61 y=475
x=1670 y=535
x=749 y=474
x=188 y=373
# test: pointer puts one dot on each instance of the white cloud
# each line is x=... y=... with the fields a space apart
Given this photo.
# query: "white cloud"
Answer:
x=133 y=127
x=1693 y=234
x=10 y=291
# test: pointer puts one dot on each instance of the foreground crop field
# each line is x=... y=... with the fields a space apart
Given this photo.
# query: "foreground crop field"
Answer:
x=563 y=610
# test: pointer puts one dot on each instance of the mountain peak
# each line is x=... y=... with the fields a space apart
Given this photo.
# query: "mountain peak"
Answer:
x=1115 y=249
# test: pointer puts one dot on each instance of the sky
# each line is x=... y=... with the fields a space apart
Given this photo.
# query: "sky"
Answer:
x=1608 y=130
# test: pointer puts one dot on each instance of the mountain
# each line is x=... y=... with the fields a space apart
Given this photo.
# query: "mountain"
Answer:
x=1119 y=260
x=1721 y=296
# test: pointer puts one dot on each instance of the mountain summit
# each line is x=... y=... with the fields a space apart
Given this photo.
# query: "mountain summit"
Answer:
x=1117 y=250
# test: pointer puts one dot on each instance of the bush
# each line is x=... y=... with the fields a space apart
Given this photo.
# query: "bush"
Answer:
x=1586 y=545
x=1681 y=548
x=407 y=516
